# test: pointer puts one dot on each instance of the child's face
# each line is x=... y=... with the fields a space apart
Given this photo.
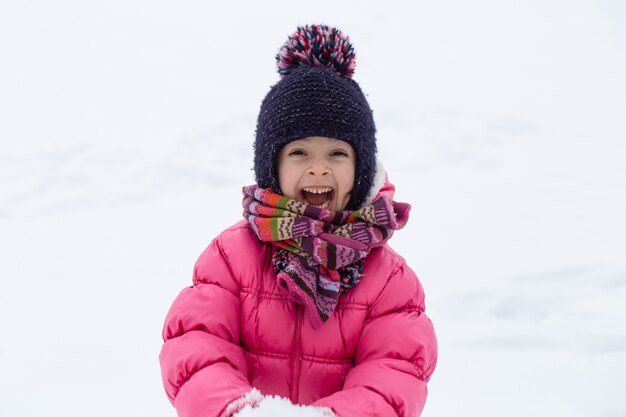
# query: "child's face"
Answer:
x=318 y=171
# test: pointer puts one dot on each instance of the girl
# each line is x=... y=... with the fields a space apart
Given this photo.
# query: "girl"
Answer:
x=303 y=299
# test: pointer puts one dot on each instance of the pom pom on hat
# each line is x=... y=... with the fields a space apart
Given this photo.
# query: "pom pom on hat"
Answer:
x=317 y=46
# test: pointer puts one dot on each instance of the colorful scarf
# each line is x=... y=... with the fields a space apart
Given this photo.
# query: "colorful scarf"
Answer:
x=320 y=252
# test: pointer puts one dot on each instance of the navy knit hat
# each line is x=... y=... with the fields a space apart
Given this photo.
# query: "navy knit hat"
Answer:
x=316 y=96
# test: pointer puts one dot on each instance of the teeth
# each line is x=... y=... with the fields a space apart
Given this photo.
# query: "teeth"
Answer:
x=317 y=190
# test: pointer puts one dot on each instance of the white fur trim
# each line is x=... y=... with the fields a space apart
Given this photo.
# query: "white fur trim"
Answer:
x=379 y=181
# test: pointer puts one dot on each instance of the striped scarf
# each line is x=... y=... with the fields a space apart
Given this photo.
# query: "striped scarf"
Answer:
x=320 y=252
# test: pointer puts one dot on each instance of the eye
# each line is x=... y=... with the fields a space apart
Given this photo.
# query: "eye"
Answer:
x=339 y=152
x=296 y=152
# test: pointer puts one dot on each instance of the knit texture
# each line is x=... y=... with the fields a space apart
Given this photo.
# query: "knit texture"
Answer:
x=320 y=243
x=316 y=97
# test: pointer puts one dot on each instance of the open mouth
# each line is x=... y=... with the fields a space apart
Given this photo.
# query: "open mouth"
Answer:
x=317 y=196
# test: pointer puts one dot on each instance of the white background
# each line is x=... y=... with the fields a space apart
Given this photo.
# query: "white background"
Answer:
x=126 y=132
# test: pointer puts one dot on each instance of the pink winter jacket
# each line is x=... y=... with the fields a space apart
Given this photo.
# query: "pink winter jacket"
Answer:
x=235 y=329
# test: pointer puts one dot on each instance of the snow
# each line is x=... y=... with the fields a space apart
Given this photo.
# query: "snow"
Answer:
x=125 y=136
x=271 y=406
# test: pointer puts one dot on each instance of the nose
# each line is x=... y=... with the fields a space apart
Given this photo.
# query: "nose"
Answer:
x=318 y=167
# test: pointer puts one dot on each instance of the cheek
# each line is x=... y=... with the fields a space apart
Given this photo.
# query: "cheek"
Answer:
x=286 y=181
x=346 y=180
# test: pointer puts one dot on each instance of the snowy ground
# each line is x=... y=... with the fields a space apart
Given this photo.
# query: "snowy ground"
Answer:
x=125 y=135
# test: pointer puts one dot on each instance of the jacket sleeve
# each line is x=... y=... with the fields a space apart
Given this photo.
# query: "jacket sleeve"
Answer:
x=203 y=366
x=396 y=355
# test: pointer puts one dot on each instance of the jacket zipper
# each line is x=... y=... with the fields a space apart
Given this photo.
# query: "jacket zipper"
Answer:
x=297 y=356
